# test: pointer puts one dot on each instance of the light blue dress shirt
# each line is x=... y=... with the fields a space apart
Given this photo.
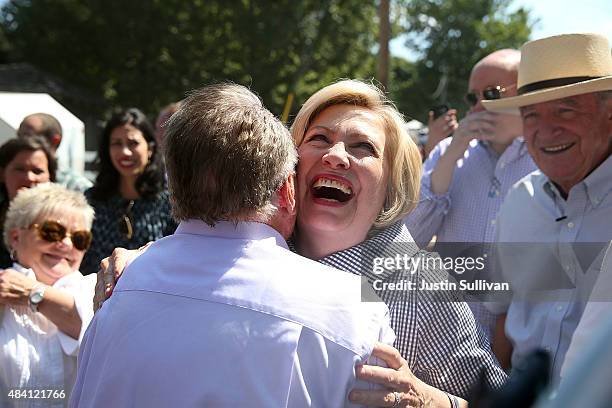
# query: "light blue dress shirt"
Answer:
x=228 y=317
x=467 y=212
x=554 y=273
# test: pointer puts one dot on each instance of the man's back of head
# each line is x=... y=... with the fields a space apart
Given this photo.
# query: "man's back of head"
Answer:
x=41 y=124
x=226 y=156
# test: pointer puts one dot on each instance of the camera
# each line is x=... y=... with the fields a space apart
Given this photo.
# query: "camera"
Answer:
x=439 y=110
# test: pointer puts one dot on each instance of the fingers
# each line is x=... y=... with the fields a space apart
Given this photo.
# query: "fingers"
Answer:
x=452 y=126
x=441 y=128
x=469 y=129
x=386 y=377
x=384 y=398
x=14 y=289
x=389 y=355
x=118 y=261
x=430 y=119
x=106 y=277
x=99 y=295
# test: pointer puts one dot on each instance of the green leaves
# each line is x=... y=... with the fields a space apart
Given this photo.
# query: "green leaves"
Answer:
x=149 y=53
x=452 y=35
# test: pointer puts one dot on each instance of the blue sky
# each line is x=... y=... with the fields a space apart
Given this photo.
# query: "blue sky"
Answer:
x=562 y=16
x=555 y=17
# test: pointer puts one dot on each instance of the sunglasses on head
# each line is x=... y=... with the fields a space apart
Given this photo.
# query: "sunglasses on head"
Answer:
x=125 y=222
x=53 y=231
x=492 y=92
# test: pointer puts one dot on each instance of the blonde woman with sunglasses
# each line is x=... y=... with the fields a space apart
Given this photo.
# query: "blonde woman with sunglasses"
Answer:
x=45 y=302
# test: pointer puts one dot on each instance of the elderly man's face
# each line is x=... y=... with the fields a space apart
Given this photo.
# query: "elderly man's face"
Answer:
x=568 y=138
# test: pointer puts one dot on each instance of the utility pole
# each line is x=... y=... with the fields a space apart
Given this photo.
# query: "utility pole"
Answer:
x=383 y=44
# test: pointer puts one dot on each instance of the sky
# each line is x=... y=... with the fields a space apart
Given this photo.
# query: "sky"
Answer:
x=555 y=17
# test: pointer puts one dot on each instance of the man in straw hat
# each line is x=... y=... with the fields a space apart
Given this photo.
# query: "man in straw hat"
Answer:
x=564 y=98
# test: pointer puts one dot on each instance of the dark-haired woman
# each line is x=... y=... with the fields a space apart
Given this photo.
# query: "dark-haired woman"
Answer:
x=24 y=163
x=129 y=194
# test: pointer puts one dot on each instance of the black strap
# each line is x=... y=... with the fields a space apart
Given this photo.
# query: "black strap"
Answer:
x=551 y=83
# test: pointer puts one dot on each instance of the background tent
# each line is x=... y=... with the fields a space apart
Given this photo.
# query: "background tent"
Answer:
x=15 y=106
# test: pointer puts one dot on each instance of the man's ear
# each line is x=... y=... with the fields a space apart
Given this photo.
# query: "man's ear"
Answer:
x=286 y=195
x=55 y=140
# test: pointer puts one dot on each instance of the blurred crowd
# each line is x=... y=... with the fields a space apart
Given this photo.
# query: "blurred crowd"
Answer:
x=250 y=245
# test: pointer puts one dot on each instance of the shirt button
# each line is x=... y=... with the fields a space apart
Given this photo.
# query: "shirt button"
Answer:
x=559 y=308
x=570 y=225
x=493 y=222
x=503 y=165
x=547 y=349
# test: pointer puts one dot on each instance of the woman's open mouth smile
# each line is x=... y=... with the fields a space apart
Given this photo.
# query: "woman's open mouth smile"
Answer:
x=331 y=190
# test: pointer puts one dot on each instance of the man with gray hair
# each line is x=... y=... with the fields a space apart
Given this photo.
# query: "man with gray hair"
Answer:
x=221 y=313
x=556 y=222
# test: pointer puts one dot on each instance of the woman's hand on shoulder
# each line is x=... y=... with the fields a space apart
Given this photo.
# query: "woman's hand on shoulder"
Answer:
x=400 y=387
x=110 y=272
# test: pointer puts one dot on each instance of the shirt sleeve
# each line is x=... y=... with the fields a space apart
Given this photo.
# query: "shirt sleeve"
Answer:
x=497 y=304
x=426 y=219
x=82 y=288
x=597 y=312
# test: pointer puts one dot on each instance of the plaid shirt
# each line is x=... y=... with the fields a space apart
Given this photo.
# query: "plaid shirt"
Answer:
x=436 y=331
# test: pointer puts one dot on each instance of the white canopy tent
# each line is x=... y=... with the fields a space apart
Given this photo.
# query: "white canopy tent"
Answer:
x=15 y=106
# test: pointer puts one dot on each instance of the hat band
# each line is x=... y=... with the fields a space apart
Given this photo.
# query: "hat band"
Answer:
x=551 y=83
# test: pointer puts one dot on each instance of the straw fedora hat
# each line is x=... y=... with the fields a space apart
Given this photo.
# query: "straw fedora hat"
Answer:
x=557 y=67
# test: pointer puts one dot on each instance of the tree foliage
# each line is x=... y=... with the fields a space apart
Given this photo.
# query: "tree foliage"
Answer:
x=450 y=37
x=148 y=53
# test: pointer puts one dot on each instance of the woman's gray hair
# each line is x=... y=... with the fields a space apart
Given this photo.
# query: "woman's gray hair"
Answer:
x=226 y=156
x=33 y=204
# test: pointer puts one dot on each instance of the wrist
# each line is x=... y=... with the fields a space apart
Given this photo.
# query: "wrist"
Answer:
x=456 y=150
x=36 y=296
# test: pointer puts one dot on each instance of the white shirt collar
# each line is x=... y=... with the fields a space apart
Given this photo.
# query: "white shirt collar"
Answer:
x=227 y=229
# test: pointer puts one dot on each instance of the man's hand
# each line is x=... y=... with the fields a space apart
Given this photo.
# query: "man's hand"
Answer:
x=397 y=380
x=15 y=288
x=110 y=271
x=440 y=128
x=479 y=125
x=495 y=128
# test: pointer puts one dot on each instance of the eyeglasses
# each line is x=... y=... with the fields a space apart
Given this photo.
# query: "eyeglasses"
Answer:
x=492 y=92
x=54 y=231
x=125 y=221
